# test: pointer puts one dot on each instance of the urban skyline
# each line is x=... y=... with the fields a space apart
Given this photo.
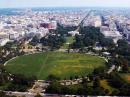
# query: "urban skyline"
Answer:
x=64 y=48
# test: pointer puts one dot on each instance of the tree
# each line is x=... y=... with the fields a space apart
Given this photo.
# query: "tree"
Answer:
x=123 y=62
x=3 y=94
x=125 y=66
x=99 y=71
x=89 y=36
x=125 y=90
x=54 y=88
x=78 y=43
x=115 y=80
x=122 y=43
x=98 y=91
x=35 y=40
x=4 y=75
x=53 y=41
x=115 y=92
x=52 y=77
x=20 y=83
x=107 y=42
x=64 y=30
x=96 y=82
x=88 y=42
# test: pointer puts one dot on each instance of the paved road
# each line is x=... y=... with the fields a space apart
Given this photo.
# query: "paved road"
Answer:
x=82 y=21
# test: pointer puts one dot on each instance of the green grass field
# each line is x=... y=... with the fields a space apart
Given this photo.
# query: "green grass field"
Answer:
x=60 y=64
x=69 y=40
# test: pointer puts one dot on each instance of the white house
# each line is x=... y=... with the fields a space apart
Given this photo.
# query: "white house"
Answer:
x=115 y=35
x=73 y=33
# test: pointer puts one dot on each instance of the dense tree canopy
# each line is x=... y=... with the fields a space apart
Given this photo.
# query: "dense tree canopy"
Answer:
x=53 y=41
x=64 y=30
x=90 y=36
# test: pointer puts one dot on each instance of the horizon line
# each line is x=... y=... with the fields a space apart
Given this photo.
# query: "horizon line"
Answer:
x=65 y=7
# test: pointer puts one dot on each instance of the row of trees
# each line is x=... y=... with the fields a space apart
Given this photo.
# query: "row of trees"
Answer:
x=14 y=82
x=122 y=87
x=93 y=86
x=121 y=55
x=53 y=41
x=81 y=89
x=87 y=87
x=8 y=51
x=89 y=37
x=20 y=83
x=3 y=94
x=64 y=30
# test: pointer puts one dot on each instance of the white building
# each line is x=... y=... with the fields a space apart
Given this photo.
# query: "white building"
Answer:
x=13 y=35
x=54 y=24
x=104 y=28
x=3 y=35
x=115 y=35
x=41 y=32
x=73 y=33
x=1 y=26
x=97 y=23
x=3 y=41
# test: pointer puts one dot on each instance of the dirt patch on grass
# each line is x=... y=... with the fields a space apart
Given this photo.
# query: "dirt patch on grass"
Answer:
x=128 y=77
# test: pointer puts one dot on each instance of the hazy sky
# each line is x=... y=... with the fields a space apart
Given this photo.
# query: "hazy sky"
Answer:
x=64 y=3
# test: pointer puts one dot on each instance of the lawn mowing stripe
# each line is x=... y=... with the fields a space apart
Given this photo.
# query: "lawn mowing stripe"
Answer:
x=42 y=66
x=60 y=64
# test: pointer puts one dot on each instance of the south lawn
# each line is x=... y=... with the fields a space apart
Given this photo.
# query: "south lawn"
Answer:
x=60 y=64
x=69 y=40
